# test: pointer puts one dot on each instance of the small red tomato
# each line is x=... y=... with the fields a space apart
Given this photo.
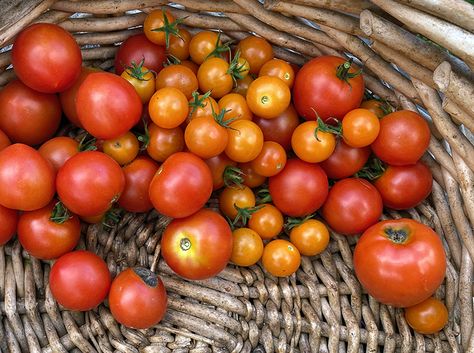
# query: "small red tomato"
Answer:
x=8 y=224
x=427 y=317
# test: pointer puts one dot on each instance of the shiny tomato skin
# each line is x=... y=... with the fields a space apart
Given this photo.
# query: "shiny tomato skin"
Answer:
x=46 y=58
x=281 y=258
x=232 y=197
x=271 y=159
x=205 y=137
x=268 y=97
x=256 y=50
x=236 y=107
x=45 y=239
x=267 y=221
x=79 y=280
x=27 y=178
x=311 y=237
x=4 y=140
x=138 y=176
x=352 y=206
x=213 y=76
x=251 y=178
x=123 y=149
x=403 y=138
x=245 y=141
x=181 y=186
x=168 y=107
x=136 y=48
x=404 y=187
x=299 y=189
x=202 y=44
x=179 y=45
x=28 y=116
x=58 y=150
x=180 y=77
x=137 y=298
x=89 y=182
x=400 y=272
x=187 y=242
x=142 y=79
x=360 y=127
x=8 y=224
x=278 y=68
x=107 y=105
x=154 y=20
x=427 y=317
x=247 y=247
x=317 y=87
x=164 y=142
x=312 y=145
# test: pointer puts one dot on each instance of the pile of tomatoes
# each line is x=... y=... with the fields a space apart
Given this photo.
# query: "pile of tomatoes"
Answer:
x=187 y=120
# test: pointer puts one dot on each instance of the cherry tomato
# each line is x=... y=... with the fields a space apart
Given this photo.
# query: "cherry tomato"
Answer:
x=191 y=65
x=28 y=116
x=218 y=165
x=199 y=246
x=122 y=149
x=311 y=237
x=137 y=298
x=159 y=19
x=312 y=145
x=247 y=247
x=377 y=107
x=299 y=189
x=271 y=160
x=400 y=262
x=213 y=76
x=256 y=50
x=278 y=68
x=142 y=79
x=58 y=150
x=202 y=44
x=164 y=142
x=179 y=45
x=245 y=141
x=403 y=138
x=206 y=137
x=181 y=186
x=180 y=77
x=46 y=58
x=79 y=280
x=360 y=127
x=267 y=221
x=168 y=107
x=89 y=182
x=427 y=317
x=281 y=258
x=250 y=176
x=242 y=85
x=233 y=197
x=268 y=97
x=203 y=106
x=27 y=178
x=8 y=224
x=236 y=107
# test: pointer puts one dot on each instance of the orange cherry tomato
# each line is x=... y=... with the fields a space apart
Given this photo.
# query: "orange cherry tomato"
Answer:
x=251 y=178
x=168 y=107
x=178 y=76
x=427 y=317
x=205 y=137
x=377 y=107
x=268 y=97
x=122 y=149
x=202 y=44
x=236 y=107
x=213 y=76
x=202 y=106
x=311 y=237
x=278 y=68
x=256 y=50
x=242 y=85
x=156 y=20
x=247 y=247
x=142 y=80
x=232 y=197
x=267 y=221
x=271 y=160
x=281 y=258
x=179 y=45
x=311 y=147
x=360 y=127
x=162 y=142
x=245 y=141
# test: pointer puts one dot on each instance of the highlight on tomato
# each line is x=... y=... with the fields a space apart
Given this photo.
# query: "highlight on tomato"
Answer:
x=427 y=317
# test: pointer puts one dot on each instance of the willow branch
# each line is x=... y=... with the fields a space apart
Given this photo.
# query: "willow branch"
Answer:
x=104 y=7
x=213 y=6
x=466 y=185
x=91 y=24
x=105 y=37
x=456 y=39
x=353 y=6
x=459 y=115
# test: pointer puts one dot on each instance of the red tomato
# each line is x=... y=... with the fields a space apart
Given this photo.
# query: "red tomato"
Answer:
x=46 y=234
x=345 y=161
x=299 y=189
x=199 y=246
x=8 y=224
x=323 y=84
x=107 y=105
x=164 y=142
x=58 y=150
x=89 y=182
x=427 y=317
x=352 y=206
x=138 y=176
x=46 y=58
x=271 y=159
x=135 y=49
x=400 y=262
x=137 y=298
x=181 y=186
x=403 y=187
x=4 y=140
x=27 y=178
x=79 y=280
x=28 y=116
x=403 y=138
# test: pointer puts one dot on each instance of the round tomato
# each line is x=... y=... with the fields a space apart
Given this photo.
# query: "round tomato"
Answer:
x=137 y=48
x=268 y=97
x=352 y=206
x=326 y=87
x=202 y=45
x=242 y=85
x=79 y=280
x=58 y=150
x=49 y=232
x=168 y=107
x=206 y=137
x=213 y=75
x=138 y=175
x=142 y=79
x=137 y=298
x=311 y=237
x=403 y=138
x=199 y=246
x=256 y=50
x=299 y=189
x=271 y=160
x=345 y=161
x=267 y=221
x=236 y=107
x=250 y=176
x=8 y=224
x=28 y=116
x=122 y=149
x=312 y=145
x=4 y=140
x=46 y=58
x=181 y=186
x=234 y=197
x=281 y=258
x=179 y=45
x=203 y=106
x=218 y=165
x=180 y=77
x=278 y=68
x=89 y=182
x=400 y=262
x=403 y=187
x=162 y=142
x=159 y=26
x=107 y=105
x=247 y=247
x=27 y=178
x=427 y=317
x=245 y=141
x=191 y=65
x=360 y=127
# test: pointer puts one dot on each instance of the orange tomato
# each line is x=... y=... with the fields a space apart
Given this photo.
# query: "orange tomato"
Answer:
x=281 y=258
x=268 y=97
x=247 y=247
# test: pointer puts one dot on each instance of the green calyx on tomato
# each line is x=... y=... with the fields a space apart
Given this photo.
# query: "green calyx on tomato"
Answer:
x=169 y=28
x=150 y=279
x=198 y=101
x=236 y=68
x=233 y=176
x=343 y=72
x=243 y=215
x=372 y=170
x=263 y=196
x=292 y=222
x=60 y=213
x=136 y=70
x=219 y=48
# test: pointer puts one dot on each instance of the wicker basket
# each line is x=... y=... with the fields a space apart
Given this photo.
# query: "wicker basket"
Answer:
x=321 y=308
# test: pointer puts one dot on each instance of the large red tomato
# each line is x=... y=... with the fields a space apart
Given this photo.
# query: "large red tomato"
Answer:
x=299 y=189
x=137 y=298
x=8 y=223
x=79 y=280
x=107 y=105
x=327 y=85
x=199 y=246
x=46 y=58
x=181 y=186
x=89 y=182
x=352 y=206
x=28 y=116
x=27 y=179
x=400 y=262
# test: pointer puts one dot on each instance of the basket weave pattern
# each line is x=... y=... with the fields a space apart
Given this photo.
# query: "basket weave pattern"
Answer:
x=321 y=308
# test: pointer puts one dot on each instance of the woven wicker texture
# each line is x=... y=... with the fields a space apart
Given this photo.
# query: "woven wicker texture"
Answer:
x=322 y=308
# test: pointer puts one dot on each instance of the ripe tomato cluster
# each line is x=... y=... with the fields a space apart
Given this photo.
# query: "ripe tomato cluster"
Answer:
x=186 y=121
